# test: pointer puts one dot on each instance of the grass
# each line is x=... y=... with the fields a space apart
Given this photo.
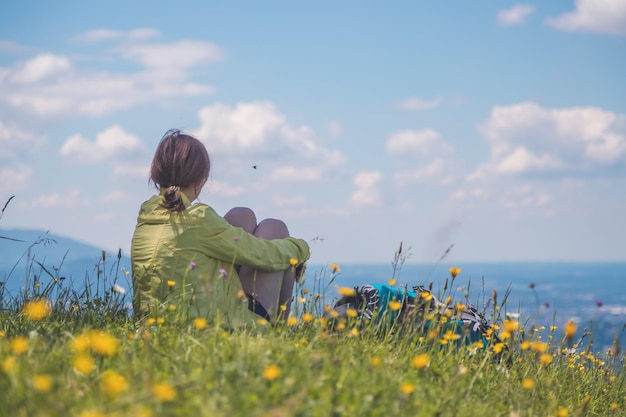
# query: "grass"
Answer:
x=70 y=353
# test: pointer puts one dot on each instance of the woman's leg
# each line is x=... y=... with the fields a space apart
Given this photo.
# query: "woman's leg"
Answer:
x=271 y=289
x=242 y=217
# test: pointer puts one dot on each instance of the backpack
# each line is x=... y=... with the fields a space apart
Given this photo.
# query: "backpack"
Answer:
x=419 y=311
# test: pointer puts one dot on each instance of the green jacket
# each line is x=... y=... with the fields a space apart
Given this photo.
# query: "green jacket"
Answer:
x=180 y=258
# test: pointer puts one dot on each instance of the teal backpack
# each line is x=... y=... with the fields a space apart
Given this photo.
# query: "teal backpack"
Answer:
x=418 y=311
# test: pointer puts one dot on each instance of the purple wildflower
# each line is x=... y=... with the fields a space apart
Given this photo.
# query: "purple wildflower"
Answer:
x=192 y=266
x=223 y=272
x=599 y=303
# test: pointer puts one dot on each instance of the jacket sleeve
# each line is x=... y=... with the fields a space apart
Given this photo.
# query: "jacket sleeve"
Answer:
x=231 y=244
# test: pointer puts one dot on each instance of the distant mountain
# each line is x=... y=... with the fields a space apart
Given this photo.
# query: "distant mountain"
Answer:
x=24 y=250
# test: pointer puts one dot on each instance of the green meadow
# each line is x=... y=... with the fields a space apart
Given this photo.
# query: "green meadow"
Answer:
x=65 y=352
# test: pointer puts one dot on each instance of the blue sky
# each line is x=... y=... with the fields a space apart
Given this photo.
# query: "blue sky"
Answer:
x=499 y=127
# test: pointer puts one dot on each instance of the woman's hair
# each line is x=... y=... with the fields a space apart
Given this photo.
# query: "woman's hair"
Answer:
x=179 y=161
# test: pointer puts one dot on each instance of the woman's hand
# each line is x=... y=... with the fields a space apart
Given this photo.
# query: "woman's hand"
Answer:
x=300 y=270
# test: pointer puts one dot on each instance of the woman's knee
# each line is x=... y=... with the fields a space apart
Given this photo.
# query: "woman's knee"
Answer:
x=272 y=229
x=242 y=217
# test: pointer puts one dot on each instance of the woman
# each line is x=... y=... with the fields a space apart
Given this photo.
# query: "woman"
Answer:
x=182 y=253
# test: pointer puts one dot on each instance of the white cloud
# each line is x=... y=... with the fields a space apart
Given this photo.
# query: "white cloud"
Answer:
x=299 y=174
x=257 y=132
x=223 y=189
x=11 y=46
x=52 y=85
x=600 y=16
x=425 y=142
x=291 y=201
x=113 y=196
x=71 y=199
x=527 y=138
x=334 y=129
x=473 y=193
x=15 y=179
x=515 y=15
x=112 y=143
x=525 y=197
x=172 y=58
x=15 y=141
x=132 y=171
x=521 y=160
x=367 y=192
x=98 y=35
x=432 y=171
x=418 y=104
x=44 y=67
x=244 y=127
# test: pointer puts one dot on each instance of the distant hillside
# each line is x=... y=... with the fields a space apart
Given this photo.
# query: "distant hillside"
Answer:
x=61 y=256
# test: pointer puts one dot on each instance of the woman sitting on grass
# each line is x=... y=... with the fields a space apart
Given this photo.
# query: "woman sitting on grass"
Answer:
x=182 y=253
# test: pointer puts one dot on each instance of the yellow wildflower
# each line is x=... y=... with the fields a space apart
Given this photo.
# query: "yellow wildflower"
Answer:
x=19 y=345
x=293 y=262
x=375 y=361
x=113 y=383
x=539 y=347
x=160 y=320
x=37 y=310
x=510 y=326
x=346 y=291
x=426 y=295
x=81 y=342
x=271 y=372
x=84 y=364
x=9 y=364
x=524 y=345
x=454 y=272
x=42 y=383
x=335 y=268
x=420 y=361
x=307 y=317
x=498 y=347
x=150 y=321
x=450 y=336
x=292 y=321
x=528 y=383
x=392 y=282
x=614 y=406
x=545 y=358
x=103 y=343
x=395 y=305
x=171 y=283
x=562 y=412
x=164 y=391
x=407 y=388
x=200 y=323
x=351 y=312
x=570 y=329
